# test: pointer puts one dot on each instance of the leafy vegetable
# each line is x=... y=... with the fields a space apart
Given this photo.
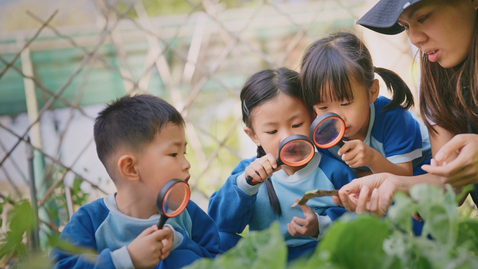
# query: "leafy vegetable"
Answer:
x=366 y=241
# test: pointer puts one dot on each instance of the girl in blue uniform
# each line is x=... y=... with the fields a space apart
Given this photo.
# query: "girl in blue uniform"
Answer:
x=272 y=110
x=337 y=76
x=382 y=135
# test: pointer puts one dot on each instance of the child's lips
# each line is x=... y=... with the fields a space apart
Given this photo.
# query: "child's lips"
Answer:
x=187 y=179
x=346 y=129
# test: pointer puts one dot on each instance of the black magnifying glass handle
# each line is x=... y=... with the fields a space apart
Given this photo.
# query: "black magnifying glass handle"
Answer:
x=340 y=143
x=162 y=221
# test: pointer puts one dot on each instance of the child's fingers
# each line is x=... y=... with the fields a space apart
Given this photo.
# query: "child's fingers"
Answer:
x=349 y=156
x=256 y=171
x=271 y=160
x=293 y=229
x=165 y=252
x=148 y=231
x=299 y=230
x=300 y=221
x=290 y=230
x=355 y=163
x=267 y=168
x=306 y=209
x=348 y=145
x=162 y=234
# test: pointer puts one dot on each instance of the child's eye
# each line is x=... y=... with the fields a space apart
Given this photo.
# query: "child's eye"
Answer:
x=322 y=108
x=345 y=104
x=173 y=154
x=272 y=132
x=297 y=125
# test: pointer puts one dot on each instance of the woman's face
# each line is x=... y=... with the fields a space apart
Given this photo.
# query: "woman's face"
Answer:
x=443 y=29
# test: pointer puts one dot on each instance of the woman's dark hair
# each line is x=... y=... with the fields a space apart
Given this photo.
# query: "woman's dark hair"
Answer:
x=449 y=96
x=329 y=64
x=262 y=87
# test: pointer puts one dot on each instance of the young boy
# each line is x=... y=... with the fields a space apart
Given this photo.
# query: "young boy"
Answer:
x=141 y=142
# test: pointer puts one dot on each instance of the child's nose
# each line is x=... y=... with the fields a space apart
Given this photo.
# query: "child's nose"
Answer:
x=287 y=134
x=186 y=165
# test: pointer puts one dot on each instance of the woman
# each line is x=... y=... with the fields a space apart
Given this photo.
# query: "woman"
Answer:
x=445 y=32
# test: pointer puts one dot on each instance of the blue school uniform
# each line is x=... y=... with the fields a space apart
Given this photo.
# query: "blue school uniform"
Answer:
x=101 y=227
x=397 y=134
x=237 y=204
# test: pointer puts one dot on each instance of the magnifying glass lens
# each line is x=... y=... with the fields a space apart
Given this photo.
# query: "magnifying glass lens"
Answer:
x=327 y=131
x=296 y=151
x=174 y=199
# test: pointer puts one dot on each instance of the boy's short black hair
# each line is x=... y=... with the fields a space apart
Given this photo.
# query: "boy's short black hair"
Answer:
x=132 y=122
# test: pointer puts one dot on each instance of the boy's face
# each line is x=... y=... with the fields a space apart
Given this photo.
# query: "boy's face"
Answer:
x=163 y=159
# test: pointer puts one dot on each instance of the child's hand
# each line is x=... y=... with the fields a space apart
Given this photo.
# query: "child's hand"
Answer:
x=356 y=153
x=262 y=168
x=304 y=227
x=167 y=243
x=145 y=249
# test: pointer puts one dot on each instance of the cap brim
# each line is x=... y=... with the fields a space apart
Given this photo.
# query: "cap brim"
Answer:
x=383 y=17
x=393 y=30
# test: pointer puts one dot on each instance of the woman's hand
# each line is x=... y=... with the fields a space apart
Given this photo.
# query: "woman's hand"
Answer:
x=261 y=168
x=372 y=193
x=459 y=171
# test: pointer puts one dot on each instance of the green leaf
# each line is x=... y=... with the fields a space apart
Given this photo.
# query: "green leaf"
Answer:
x=401 y=211
x=353 y=244
x=438 y=209
x=261 y=249
x=464 y=192
x=468 y=235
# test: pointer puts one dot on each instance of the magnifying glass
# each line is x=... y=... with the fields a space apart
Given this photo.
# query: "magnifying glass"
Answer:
x=294 y=151
x=172 y=200
x=327 y=130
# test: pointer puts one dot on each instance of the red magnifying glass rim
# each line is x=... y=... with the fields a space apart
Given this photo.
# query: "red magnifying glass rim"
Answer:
x=166 y=191
x=319 y=120
x=301 y=139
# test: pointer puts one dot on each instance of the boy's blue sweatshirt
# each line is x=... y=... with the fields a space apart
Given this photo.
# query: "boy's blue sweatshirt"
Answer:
x=99 y=226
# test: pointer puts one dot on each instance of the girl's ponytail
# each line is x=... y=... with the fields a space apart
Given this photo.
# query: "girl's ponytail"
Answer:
x=270 y=188
x=402 y=96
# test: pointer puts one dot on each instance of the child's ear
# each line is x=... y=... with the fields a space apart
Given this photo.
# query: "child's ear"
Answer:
x=252 y=135
x=374 y=91
x=127 y=167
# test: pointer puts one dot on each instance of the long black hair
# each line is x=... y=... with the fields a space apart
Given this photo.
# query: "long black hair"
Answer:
x=262 y=87
x=329 y=64
x=449 y=96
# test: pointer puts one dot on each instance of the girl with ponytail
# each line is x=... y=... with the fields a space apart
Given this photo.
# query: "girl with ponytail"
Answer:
x=272 y=110
x=338 y=76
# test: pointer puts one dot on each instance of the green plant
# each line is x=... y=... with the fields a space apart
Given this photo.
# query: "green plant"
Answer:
x=14 y=249
x=367 y=241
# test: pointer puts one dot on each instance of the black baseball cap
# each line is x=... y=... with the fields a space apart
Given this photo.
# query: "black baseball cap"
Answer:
x=383 y=16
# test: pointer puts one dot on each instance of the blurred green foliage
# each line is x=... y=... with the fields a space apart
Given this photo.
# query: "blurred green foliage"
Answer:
x=15 y=251
x=366 y=241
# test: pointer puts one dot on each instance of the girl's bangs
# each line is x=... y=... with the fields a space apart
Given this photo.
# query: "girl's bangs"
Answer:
x=334 y=85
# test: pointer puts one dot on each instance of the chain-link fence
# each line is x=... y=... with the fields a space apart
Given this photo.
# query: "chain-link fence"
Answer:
x=55 y=79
